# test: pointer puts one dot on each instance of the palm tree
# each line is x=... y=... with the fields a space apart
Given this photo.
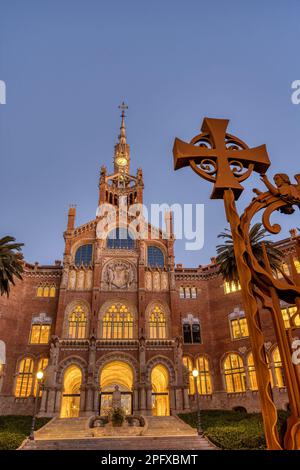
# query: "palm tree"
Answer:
x=10 y=263
x=225 y=253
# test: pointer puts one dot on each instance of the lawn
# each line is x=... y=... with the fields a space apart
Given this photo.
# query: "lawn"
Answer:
x=14 y=429
x=233 y=430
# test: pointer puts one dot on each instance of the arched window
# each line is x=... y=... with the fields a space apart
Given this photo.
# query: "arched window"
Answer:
x=278 y=371
x=234 y=372
x=45 y=290
x=204 y=378
x=117 y=323
x=120 y=238
x=77 y=323
x=155 y=257
x=24 y=378
x=188 y=363
x=191 y=330
x=157 y=324
x=251 y=372
x=84 y=255
x=42 y=364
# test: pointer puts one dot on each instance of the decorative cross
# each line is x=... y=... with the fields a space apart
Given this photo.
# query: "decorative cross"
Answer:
x=220 y=157
x=123 y=106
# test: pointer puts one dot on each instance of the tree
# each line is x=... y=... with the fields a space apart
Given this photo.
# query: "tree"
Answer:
x=10 y=263
x=225 y=253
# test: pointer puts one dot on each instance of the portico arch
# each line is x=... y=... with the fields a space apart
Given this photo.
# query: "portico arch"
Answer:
x=72 y=380
x=116 y=374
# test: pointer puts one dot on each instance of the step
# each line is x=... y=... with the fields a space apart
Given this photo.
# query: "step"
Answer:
x=133 y=443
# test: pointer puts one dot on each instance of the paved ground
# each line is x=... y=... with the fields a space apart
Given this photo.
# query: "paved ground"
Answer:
x=161 y=433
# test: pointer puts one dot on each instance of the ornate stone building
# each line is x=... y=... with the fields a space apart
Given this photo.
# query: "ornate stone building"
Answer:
x=118 y=311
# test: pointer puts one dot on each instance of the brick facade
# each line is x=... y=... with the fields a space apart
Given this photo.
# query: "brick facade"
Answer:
x=118 y=275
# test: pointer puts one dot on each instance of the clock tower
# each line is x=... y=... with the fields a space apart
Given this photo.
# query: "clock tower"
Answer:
x=121 y=182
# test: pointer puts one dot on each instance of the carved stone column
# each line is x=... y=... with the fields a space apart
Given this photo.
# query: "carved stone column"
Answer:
x=186 y=401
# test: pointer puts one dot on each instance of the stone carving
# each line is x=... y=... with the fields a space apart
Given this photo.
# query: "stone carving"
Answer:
x=116 y=398
x=119 y=275
x=148 y=280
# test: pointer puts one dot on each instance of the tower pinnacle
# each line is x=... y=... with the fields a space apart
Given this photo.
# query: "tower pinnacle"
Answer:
x=122 y=152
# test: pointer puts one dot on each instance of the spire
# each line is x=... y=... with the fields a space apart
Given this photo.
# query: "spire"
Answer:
x=122 y=152
x=122 y=136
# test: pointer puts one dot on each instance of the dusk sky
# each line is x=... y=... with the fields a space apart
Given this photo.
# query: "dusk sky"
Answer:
x=68 y=64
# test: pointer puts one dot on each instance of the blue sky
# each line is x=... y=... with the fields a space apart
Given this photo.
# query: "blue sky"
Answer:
x=68 y=64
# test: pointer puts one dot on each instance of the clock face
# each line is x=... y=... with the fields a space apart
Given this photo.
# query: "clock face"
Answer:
x=121 y=161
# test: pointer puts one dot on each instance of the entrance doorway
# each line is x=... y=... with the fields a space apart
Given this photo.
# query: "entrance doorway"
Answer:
x=70 y=405
x=160 y=391
x=116 y=373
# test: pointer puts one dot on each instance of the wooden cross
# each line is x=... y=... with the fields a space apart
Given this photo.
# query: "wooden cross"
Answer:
x=214 y=157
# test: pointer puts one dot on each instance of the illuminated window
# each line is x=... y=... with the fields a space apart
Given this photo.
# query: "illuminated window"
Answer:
x=43 y=363
x=290 y=317
x=285 y=269
x=120 y=238
x=231 y=286
x=24 y=378
x=234 y=371
x=279 y=377
x=191 y=330
x=77 y=323
x=117 y=323
x=204 y=378
x=46 y=291
x=84 y=255
x=157 y=324
x=188 y=363
x=39 y=334
x=239 y=328
x=297 y=265
x=155 y=257
x=181 y=292
x=251 y=372
x=194 y=292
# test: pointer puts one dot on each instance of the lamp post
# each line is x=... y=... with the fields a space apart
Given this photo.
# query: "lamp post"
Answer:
x=39 y=378
x=195 y=373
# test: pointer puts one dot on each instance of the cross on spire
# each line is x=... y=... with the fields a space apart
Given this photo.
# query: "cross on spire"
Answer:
x=123 y=106
x=220 y=157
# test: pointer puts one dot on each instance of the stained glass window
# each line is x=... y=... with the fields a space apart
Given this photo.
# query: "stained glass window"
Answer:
x=83 y=255
x=157 y=324
x=117 y=323
x=77 y=323
x=155 y=257
x=120 y=238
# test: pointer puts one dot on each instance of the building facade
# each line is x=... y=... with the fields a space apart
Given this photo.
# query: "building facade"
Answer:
x=118 y=312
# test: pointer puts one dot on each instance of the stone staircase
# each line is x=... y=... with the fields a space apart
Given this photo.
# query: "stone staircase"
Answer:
x=64 y=428
x=168 y=426
x=161 y=433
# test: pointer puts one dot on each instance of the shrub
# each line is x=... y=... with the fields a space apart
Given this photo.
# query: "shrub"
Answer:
x=10 y=440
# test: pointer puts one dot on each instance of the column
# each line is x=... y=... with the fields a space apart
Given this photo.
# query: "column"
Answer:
x=149 y=400
x=142 y=399
x=172 y=400
x=179 y=404
x=186 y=401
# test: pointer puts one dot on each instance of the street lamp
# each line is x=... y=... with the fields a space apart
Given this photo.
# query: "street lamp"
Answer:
x=39 y=378
x=195 y=373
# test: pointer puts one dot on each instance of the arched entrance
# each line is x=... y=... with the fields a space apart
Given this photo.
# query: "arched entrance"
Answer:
x=116 y=373
x=160 y=391
x=70 y=404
